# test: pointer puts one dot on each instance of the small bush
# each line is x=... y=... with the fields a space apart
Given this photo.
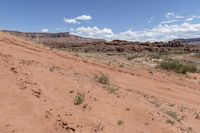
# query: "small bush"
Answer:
x=79 y=99
x=171 y=122
x=175 y=116
x=133 y=57
x=172 y=114
x=112 y=89
x=178 y=67
x=103 y=79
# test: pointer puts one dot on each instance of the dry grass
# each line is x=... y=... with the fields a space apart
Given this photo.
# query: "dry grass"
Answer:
x=178 y=67
x=103 y=79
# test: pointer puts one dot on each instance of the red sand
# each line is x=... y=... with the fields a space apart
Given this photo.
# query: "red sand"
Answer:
x=38 y=86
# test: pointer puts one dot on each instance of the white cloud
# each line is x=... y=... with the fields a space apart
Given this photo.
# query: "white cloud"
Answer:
x=179 y=16
x=77 y=20
x=83 y=18
x=94 y=32
x=71 y=29
x=173 y=17
x=44 y=30
x=189 y=19
x=173 y=26
x=71 y=21
x=162 y=32
x=169 y=21
x=170 y=15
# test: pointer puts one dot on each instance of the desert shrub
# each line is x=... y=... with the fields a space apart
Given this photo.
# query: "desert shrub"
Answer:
x=178 y=67
x=155 y=56
x=175 y=116
x=79 y=99
x=103 y=79
x=133 y=57
x=170 y=121
x=112 y=89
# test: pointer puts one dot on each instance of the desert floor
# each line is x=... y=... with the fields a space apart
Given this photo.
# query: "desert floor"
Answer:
x=39 y=87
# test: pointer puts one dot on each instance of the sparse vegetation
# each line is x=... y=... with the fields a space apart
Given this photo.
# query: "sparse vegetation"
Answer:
x=133 y=57
x=152 y=100
x=171 y=122
x=156 y=102
x=99 y=127
x=112 y=89
x=175 y=116
x=103 y=79
x=178 y=67
x=172 y=114
x=79 y=99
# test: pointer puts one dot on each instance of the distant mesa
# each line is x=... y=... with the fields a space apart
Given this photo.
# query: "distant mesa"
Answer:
x=191 y=41
x=67 y=41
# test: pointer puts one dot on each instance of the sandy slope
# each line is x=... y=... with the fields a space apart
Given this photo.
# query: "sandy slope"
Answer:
x=38 y=86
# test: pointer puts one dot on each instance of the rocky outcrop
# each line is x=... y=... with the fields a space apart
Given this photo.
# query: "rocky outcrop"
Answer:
x=71 y=42
x=64 y=38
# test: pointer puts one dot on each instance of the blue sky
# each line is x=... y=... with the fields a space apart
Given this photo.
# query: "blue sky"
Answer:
x=143 y=20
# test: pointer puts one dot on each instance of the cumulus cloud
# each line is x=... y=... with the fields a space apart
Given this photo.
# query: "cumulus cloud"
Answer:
x=44 y=30
x=83 y=18
x=172 y=26
x=71 y=21
x=162 y=32
x=78 y=19
x=94 y=32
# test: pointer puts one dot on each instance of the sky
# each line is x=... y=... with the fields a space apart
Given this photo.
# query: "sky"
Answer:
x=133 y=20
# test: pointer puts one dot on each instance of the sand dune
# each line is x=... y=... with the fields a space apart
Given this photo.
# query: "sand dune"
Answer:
x=38 y=87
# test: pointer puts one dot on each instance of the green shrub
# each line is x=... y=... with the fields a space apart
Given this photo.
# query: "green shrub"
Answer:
x=103 y=79
x=175 y=116
x=79 y=99
x=178 y=67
